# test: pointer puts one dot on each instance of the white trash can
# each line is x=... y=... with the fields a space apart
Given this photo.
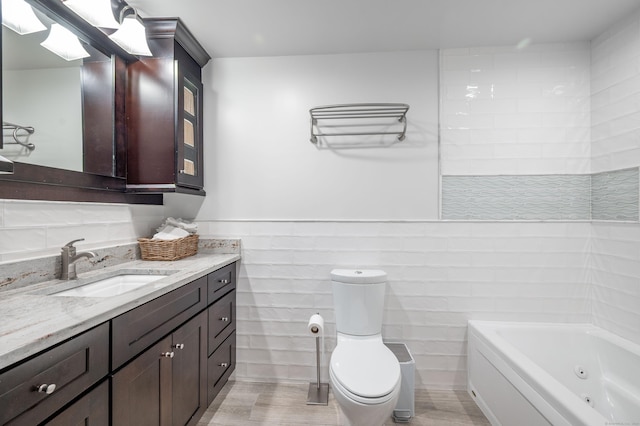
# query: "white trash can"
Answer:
x=405 y=408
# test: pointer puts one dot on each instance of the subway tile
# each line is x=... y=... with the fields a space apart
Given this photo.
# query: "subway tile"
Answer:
x=29 y=213
x=94 y=235
x=18 y=240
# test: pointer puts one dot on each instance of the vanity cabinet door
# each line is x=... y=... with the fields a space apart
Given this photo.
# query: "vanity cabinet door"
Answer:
x=32 y=391
x=166 y=384
x=141 y=391
x=189 y=371
x=92 y=409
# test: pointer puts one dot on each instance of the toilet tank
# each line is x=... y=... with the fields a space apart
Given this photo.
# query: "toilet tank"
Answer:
x=358 y=300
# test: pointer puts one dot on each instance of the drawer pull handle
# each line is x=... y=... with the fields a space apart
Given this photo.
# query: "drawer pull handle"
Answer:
x=48 y=389
x=179 y=346
x=167 y=354
x=223 y=281
x=224 y=364
x=224 y=319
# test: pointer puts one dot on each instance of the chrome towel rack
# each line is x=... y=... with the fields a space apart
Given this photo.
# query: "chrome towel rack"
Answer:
x=358 y=116
x=15 y=128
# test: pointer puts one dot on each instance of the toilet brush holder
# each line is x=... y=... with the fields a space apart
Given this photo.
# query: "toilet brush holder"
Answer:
x=318 y=392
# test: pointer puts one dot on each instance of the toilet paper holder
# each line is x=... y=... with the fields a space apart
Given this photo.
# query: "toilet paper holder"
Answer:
x=318 y=392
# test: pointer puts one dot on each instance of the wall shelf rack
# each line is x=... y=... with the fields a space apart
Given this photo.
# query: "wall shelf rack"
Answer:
x=358 y=119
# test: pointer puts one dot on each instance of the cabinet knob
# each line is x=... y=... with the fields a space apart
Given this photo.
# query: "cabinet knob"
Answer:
x=48 y=389
x=167 y=354
x=223 y=281
x=224 y=364
x=179 y=346
x=224 y=319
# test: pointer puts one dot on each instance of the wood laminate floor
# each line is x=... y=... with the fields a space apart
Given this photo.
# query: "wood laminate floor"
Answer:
x=243 y=403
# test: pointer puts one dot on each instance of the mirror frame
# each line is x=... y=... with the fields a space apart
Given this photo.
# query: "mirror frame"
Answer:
x=33 y=182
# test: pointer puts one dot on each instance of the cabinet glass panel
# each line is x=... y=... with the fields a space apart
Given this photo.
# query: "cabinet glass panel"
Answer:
x=189 y=167
x=189 y=101
x=189 y=133
x=191 y=130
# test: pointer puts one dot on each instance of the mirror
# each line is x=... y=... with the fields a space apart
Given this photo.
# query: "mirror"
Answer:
x=69 y=105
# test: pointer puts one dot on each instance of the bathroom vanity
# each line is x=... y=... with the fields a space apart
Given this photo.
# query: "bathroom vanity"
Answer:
x=158 y=354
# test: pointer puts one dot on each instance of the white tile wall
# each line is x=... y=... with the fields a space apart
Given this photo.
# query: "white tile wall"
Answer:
x=615 y=117
x=615 y=81
x=440 y=275
x=615 y=277
x=39 y=228
x=510 y=111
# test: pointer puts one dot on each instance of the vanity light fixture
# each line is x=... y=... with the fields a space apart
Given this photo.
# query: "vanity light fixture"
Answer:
x=64 y=43
x=131 y=35
x=6 y=166
x=20 y=17
x=96 y=12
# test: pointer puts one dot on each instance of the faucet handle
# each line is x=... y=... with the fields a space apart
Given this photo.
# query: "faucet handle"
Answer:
x=70 y=243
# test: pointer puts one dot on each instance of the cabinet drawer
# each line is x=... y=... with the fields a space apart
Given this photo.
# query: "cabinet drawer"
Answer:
x=220 y=366
x=69 y=369
x=139 y=328
x=92 y=409
x=221 y=281
x=222 y=320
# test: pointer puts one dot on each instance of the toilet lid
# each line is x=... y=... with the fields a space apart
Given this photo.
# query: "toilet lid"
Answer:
x=365 y=368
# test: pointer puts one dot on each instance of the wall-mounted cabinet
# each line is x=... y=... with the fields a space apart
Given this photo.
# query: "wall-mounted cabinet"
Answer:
x=164 y=112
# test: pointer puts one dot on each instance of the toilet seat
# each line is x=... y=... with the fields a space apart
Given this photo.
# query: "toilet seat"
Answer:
x=365 y=370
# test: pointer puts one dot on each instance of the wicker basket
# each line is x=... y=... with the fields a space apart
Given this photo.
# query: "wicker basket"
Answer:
x=168 y=249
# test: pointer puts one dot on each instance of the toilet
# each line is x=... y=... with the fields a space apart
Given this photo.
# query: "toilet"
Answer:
x=364 y=374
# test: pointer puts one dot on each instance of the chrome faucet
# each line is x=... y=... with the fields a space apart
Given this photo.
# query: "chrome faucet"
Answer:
x=69 y=259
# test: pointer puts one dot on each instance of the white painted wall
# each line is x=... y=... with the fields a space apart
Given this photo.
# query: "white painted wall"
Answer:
x=257 y=128
x=509 y=110
x=50 y=101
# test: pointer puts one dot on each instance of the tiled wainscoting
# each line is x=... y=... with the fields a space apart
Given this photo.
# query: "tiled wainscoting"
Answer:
x=441 y=274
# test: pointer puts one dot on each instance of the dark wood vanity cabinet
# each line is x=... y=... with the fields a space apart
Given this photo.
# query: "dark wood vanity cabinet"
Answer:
x=164 y=112
x=174 y=366
x=169 y=359
x=165 y=385
x=36 y=389
x=222 y=329
x=91 y=410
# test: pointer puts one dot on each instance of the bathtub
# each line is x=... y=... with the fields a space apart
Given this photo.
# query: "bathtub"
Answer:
x=553 y=374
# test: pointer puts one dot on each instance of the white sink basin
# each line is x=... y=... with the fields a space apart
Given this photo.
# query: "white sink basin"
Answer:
x=112 y=286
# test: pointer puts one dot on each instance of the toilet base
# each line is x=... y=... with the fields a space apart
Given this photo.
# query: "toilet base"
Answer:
x=353 y=413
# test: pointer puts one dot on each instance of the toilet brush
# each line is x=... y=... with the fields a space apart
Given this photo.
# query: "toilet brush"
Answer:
x=318 y=392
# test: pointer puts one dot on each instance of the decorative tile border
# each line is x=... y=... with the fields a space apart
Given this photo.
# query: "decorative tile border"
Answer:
x=602 y=196
x=514 y=197
x=614 y=195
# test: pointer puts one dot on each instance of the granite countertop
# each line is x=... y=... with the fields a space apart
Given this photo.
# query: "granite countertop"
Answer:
x=33 y=319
